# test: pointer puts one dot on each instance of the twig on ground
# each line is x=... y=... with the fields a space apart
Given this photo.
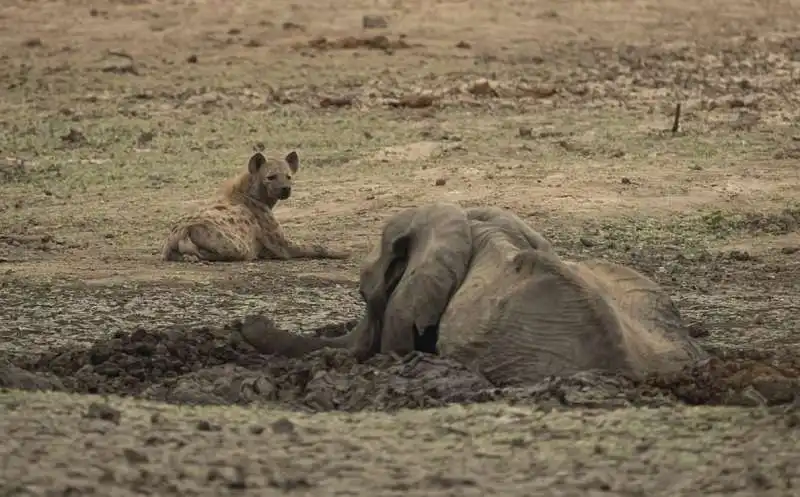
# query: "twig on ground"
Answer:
x=676 y=123
x=120 y=53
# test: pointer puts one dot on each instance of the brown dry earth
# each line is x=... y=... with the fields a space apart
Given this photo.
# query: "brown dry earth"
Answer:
x=119 y=116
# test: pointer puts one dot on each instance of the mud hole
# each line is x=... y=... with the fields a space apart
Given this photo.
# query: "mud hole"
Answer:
x=207 y=366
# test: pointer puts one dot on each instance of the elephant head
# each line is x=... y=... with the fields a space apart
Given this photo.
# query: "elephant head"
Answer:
x=511 y=225
x=406 y=282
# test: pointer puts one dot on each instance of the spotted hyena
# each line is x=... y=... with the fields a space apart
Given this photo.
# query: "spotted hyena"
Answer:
x=240 y=226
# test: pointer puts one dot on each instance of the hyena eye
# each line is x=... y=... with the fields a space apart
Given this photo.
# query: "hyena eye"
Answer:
x=272 y=177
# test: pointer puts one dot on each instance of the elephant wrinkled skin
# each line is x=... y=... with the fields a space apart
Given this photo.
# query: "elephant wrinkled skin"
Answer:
x=480 y=286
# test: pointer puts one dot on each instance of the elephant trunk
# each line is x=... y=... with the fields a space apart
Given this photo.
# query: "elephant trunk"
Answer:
x=262 y=334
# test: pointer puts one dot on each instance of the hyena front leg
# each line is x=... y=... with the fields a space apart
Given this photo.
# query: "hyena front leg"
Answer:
x=275 y=245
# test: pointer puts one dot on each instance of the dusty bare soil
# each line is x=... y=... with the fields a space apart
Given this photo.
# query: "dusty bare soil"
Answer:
x=119 y=116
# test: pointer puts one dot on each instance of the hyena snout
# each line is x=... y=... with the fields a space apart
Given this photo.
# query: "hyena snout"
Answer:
x=285 y=192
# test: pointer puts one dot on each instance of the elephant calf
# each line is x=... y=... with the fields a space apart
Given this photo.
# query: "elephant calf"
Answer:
x=480 y=286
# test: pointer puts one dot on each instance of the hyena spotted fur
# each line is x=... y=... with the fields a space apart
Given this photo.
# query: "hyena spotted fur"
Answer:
x=240 y=226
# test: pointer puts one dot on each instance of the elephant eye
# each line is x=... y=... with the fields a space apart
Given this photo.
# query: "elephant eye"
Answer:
x=272 y=177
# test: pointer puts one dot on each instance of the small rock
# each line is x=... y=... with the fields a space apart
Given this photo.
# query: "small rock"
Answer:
x=104 y=412
x=144 y=138
x=318 y=42
x=463 y=44
x=379 y=42
x=739 y=255
x=340 y=101
x=205 y=425
x=538 y=91
x=134 y=456
x=625 y=181
x=74 y=136
x=790 y=250
x=441 y=182
x=371 y=21
x=107 y=476
x=292 y=26
x=282 y=425
x=697 y=330
x=32 y=42
x=525 y=132
x=125 y=66
x=192 y=59
x=587 y=242
x=256 y=429
x=239 y=479
x=289 y=483
x=482 y=88
x=775 y=389
x=416 y=101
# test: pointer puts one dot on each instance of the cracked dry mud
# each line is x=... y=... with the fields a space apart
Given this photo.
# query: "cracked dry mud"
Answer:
x=142 y=447
x=582 y=434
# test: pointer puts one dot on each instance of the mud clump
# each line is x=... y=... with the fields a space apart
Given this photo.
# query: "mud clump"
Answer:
x=377 y=42
x=214 y=366
x=736 y=379
x=126 y=364
x=211 y=366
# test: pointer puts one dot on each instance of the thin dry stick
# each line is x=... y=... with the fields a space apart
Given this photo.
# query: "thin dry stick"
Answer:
x=120 y=53
x=677 y=121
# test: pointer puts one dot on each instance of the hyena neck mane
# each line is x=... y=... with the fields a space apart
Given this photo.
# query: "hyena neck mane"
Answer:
x=245 y=190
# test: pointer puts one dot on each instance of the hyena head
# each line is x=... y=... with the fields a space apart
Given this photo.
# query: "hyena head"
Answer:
x=270 y=180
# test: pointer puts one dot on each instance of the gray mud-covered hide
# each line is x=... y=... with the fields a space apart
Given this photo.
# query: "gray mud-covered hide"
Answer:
x=482 y=287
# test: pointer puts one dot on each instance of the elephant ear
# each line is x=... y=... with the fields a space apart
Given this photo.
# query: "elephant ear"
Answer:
x=423 y=258
x=512 y=225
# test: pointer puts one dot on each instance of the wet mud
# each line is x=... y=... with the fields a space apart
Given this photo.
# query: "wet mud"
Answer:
x=213 y=366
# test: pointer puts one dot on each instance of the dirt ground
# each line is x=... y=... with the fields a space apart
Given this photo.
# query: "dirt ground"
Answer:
x=122 y=374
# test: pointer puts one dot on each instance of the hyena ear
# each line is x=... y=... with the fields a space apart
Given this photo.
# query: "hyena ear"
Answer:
x=293 y=160
x=257 y=161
